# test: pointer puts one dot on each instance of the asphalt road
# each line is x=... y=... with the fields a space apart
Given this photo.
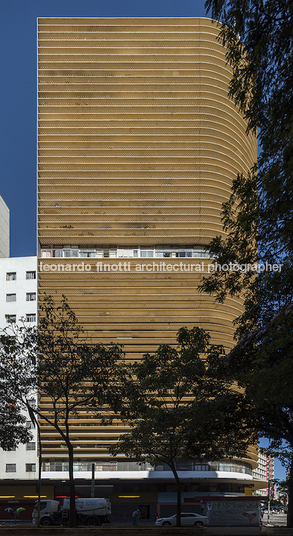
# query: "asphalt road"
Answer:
x=275 y=519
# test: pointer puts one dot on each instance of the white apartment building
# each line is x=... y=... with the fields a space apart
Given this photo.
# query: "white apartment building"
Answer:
x=18 y=299
x=265 y=471
x=4 y=228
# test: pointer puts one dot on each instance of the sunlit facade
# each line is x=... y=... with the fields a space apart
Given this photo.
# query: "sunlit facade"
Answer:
x=138 y=144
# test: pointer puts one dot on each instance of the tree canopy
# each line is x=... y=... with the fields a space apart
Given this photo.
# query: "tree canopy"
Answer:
x=59 y=363
x=73 y=373
x=13 y=430
x=258 y=37
x=17 y=376
x=179 y=409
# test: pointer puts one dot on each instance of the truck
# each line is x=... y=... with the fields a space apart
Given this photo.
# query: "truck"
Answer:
x=89 y=511
x=233 y=512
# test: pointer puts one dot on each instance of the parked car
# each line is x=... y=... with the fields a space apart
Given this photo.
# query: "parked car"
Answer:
x=186 y=519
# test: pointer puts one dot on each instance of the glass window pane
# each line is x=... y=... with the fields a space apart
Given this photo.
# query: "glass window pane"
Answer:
x=31 y=275
x=11 y=468
x=11 y=297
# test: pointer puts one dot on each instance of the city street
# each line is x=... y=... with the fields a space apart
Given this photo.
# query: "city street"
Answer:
x=275 y=519
x=21 y=527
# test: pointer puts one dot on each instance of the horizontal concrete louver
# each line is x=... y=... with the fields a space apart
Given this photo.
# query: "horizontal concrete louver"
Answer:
x=133 y=115
x=138 y=144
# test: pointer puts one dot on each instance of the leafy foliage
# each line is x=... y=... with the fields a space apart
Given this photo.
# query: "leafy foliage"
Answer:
x=73 y=373
x=258 y=37
x=59 y=363
x=267 y=356
x=12 y=426
x=17 y=381
x=240 y=245
x=179 y=408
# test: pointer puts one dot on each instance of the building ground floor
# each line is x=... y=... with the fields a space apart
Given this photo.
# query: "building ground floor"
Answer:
x=150 y=491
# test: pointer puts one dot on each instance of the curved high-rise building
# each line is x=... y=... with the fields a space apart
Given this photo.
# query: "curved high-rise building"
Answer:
x=138 y=144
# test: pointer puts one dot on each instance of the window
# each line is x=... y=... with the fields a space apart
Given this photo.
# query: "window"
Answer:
x=11 y=468
x=10 y=318
x=33 y=403
x=11 y=449
x=43 y=505
x=31 y=317
x=200 y=251
x=127 y=251
x=31 y=275
x=73 y=251
x=31 y=446
x=10 y=297
x=31 y=296
x=201 y=467
x=30 y=425
x=173 y=251
x=11 y=276
x=87 y=253
x=47 y=253
x=52 y=252
x=30 y=467
x=146 y=251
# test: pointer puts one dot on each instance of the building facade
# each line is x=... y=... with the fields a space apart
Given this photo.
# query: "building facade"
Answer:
x=18 y=300
x=18 y=290
x=4 y=228
x=265 y=471
x=138 y=144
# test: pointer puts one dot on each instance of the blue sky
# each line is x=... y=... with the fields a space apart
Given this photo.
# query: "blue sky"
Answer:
x=18 y=103
x=19 y=92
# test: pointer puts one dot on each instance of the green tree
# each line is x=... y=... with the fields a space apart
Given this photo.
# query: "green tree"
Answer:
x=262 y=360
x=179 y=409
x=258 y=37
x=18 y=352
x=73 y=373
x=60 y=364
x=13 y=428
x=283 y=493
x=262 y=363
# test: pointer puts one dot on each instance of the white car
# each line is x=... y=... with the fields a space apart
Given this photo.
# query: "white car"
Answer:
x=186 y=519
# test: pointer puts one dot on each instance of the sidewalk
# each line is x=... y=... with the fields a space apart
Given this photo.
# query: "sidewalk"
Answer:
x=145 y=528
x=26 y=529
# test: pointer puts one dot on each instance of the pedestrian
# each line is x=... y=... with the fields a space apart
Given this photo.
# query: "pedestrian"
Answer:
x=11 y=512
x=136 y=516
x=156 y=516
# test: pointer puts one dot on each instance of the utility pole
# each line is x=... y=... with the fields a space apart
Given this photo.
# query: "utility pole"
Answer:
x=93 y=481
x=269 y=485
